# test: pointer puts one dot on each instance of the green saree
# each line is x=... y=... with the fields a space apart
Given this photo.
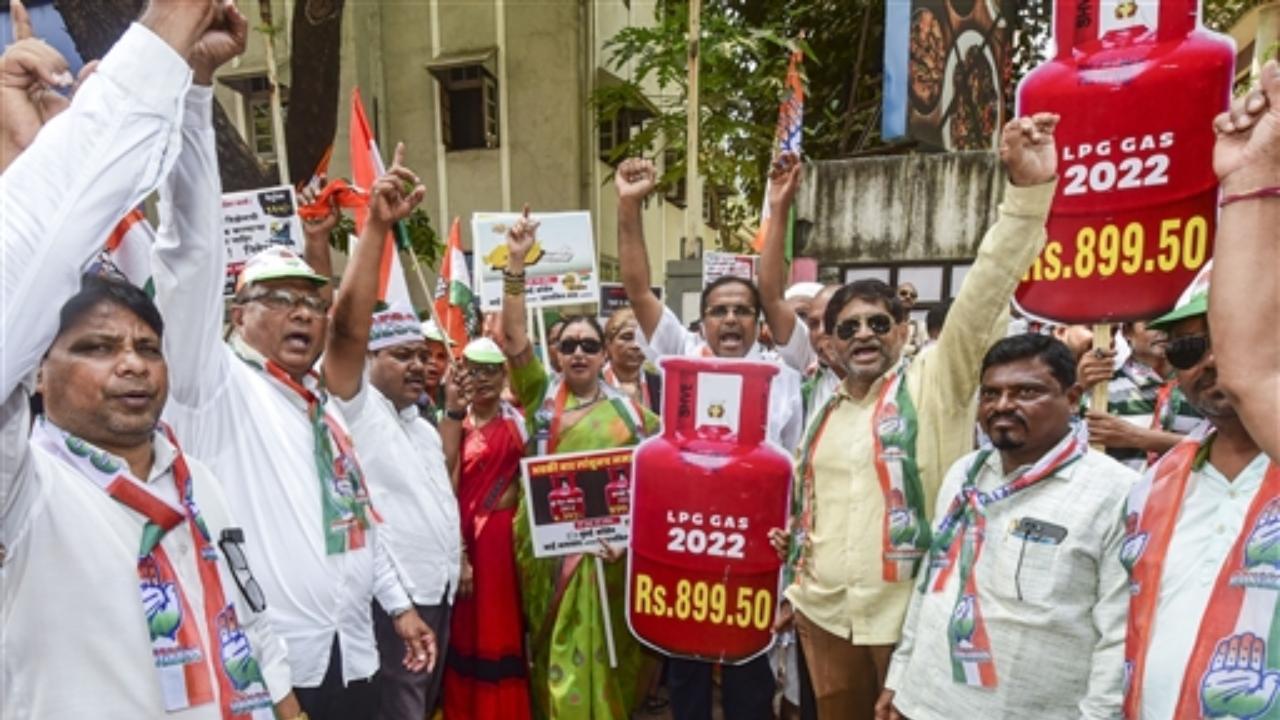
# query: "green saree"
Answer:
x=571 y=678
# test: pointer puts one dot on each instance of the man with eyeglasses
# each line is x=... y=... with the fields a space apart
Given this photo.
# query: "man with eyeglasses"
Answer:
x=875 y=453
x=1018 y=611
x=122 y=588
x=254 y=409
x=730 y=313
x=377 y=369
x=1203 y=552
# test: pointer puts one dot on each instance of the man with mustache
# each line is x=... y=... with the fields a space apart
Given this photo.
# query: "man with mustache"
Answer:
x=378 y=371
x=875 y=453
x=1020 y=607
x=121 y=563
x=256 y=411
x=730 y=310
x=1203 y=552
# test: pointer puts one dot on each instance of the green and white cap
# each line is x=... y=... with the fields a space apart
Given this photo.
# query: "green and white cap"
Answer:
x=431 y=331
x=277 y=263
x=1193 y=301
x=484 y=351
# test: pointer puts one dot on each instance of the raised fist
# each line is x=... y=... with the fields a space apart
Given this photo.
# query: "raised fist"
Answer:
x=635 y=179
x=1028 y=151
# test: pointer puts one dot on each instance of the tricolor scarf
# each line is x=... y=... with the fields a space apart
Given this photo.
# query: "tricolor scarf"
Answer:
x=642 y=383
x=971 y=659
x=548 y=417
x=181 y=655
x=1234 y=670
x=344 y=500
x=904 y=530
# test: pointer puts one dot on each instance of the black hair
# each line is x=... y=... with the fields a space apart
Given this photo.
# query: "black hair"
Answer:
x=936 y=316
x=97 y=289
x=873 y=291
x=1050 y=350
x=560 y=322
x=590 y=320
x=726 y=280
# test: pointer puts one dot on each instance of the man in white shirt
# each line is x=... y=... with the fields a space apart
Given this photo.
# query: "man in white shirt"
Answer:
x=730 y=310
x=378 y=365
x=256 y=412
x=98 y=504
x=1020 y=609
x=1203 y=549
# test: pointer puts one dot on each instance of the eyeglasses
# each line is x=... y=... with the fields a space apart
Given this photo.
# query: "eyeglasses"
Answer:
x=878 y=324
x=908 y=294
x=590 y=346
x=720 y=312
x=489 y=369
x=280 y=300
x=230 y=543
x=1186 y=352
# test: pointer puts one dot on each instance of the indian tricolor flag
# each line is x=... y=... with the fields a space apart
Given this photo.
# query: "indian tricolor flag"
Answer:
x=786 y=137
x=128 y=250
x=454 y=299
x=366 y=168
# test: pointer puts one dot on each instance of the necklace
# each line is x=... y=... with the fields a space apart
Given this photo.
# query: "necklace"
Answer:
x=588 y=403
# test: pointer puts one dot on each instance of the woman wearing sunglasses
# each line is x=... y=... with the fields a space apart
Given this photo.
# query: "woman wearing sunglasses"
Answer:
x=573 y=412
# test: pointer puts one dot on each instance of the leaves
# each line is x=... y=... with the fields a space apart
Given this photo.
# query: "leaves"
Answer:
x=423 y=238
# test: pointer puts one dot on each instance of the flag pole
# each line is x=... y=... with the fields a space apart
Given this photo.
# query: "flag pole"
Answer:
x=430 y=295
x=693 y=209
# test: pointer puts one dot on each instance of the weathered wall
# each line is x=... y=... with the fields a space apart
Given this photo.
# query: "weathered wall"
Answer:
x=908 y=207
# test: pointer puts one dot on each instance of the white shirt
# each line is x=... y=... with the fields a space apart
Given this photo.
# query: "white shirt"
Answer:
x=257 y=438
x=786 y=409
x=1209 y=522
x=403 y=461
x=75 y=641
x=1059 y=650
x=823 y=388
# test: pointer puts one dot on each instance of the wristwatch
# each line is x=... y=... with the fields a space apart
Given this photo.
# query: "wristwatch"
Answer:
x=458 y=415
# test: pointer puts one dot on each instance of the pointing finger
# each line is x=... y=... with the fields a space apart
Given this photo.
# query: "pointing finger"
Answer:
x=21 y=20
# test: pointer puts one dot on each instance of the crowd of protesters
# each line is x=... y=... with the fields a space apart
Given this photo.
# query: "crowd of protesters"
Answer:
x=305 y=505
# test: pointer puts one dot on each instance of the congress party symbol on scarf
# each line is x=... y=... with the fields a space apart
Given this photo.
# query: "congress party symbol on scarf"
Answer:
x=181 y=655
x=346 y=510
x=959 y=537
x=1234 y=670
x=904 y=532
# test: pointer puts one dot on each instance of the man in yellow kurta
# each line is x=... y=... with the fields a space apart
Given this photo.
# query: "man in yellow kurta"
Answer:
x=875 y=453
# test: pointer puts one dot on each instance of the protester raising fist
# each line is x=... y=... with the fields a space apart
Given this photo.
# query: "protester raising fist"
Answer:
x=635 y=179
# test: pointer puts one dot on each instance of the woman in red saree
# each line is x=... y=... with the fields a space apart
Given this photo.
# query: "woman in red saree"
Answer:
x=486 y=676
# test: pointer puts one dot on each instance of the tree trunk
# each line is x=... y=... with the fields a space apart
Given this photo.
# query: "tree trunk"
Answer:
x=95 y=25
x=315 y=49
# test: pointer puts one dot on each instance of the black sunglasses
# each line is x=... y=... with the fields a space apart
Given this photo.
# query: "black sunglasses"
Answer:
x=878 y=324
x=590 y=346
x=1186 y=352
x=230 y=543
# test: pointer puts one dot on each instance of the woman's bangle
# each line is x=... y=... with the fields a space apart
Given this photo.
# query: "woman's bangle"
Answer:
x=457 y=415
x=1266 y=192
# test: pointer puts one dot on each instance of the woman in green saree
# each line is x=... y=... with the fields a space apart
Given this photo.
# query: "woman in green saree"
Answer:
x=571 y=678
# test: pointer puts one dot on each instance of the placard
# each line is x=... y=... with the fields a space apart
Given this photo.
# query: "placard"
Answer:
x=716 y=265
x=253 y=221
x=559 y=270
x=702 y=577
x=1135 y=209
x=575 y=500
x=613 y=297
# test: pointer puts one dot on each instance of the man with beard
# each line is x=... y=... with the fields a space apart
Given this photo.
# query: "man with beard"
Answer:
x=1020 y=607
x=875 y=453
x=730 y=311
x=1203 y=551
x=254 y=409
x=402 y=454
x=123 y=587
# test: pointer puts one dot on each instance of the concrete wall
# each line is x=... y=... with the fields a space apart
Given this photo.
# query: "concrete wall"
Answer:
x=908 y=207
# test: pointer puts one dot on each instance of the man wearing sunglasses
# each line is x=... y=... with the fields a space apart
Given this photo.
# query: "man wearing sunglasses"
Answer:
x=117 y=601
x=257 y=412
x=875 y=454
x=1203 y=552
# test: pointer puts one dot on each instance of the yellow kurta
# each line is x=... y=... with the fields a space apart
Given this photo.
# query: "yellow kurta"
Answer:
x=842 y=591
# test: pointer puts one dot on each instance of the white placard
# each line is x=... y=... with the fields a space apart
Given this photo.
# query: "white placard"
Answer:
x=716 y=265
x=253 y=221
x=563 y=269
